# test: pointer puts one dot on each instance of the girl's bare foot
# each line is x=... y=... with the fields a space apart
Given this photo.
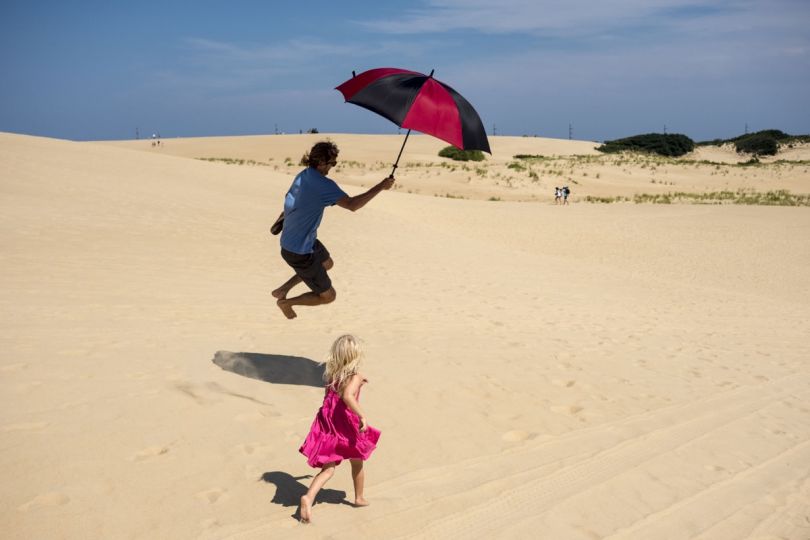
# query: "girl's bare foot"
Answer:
x=360 y=501
x=306 y=509
x=286 y=309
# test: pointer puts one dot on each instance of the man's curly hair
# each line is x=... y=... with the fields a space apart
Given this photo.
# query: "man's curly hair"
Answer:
x=320 y=153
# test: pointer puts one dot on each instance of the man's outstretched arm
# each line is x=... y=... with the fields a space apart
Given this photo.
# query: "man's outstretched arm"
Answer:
x=359 y=201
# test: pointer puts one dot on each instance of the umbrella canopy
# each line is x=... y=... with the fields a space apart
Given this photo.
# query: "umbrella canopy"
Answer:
x=416 y=101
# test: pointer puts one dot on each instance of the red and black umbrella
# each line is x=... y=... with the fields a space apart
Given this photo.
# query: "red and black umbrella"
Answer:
x=413 y=100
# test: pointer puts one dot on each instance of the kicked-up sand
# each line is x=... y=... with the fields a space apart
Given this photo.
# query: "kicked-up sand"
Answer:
x=591 y=371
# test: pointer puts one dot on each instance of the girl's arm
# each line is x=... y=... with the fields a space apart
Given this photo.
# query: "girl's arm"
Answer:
x=351 y=389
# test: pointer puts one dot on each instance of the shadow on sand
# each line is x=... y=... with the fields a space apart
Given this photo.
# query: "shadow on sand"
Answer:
x=282 y=369
x=289 y=491
x=272 y=368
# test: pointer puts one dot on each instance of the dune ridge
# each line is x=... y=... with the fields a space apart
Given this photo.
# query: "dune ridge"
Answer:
x=590 y=174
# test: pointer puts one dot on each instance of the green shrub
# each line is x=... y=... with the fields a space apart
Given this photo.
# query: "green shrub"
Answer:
x=759 y=144
x=663 y=144
x=458 y=154
x=772 y=133
x=754 y=141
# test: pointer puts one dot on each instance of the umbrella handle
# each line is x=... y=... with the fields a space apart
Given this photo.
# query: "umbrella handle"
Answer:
x=396 y=164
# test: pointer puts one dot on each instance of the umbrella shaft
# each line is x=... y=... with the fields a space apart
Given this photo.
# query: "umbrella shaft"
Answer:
x=396 y=164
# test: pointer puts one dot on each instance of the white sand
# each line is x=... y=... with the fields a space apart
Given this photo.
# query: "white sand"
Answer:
x=594 y=371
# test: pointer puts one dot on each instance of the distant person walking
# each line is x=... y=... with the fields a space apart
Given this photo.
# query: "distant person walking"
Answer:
x=557 y=195
x=310 y=193
x=565 y=193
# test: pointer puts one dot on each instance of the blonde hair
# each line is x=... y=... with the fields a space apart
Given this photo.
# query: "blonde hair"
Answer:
x=342 y=362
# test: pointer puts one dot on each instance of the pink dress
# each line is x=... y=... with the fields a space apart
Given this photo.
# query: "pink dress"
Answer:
x=335 y=434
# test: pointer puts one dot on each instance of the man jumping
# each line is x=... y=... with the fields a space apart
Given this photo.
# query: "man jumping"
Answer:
x=309 y=194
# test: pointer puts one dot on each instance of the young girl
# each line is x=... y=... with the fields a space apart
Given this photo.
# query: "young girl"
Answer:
x=340 y=430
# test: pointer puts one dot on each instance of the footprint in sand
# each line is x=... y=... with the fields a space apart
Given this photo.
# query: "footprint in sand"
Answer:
x=564 y=383
x=54 y=498
x=517 y=436
x=25 y=426
x=252 y=450
x=191 y=391
x=210 y=524
x=566 y=409
x=211 y=496
x=250 y=417
x=147 y=453
x=13 y=367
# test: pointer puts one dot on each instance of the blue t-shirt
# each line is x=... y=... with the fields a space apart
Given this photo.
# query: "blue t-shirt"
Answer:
x=308 y=195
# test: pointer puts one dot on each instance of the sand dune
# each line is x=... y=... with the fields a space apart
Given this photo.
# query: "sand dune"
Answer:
x=365 y=159
x=593 y=371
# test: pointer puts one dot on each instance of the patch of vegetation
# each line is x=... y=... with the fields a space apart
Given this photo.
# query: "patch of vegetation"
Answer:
x=233 y=161
x=760 y=143
x=663 y=144
x=516 y=165
x=349 y=163
x=741 y=196
x=769 y=198
x=458 y=154
x=607 y=200
x=791 y=162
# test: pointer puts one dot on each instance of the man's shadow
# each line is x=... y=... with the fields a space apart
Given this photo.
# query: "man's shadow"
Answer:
x=289 y=491
x=272 y=368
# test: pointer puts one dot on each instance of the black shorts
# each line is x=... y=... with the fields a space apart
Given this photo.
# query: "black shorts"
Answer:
x=309 y=267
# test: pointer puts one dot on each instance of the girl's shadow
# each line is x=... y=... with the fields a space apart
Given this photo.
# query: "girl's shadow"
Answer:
x=289 y=491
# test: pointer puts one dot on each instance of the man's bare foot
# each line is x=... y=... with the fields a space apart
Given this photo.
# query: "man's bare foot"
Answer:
x=306 y=509
x=360 y=501
x=279 y=294
x=286 y=309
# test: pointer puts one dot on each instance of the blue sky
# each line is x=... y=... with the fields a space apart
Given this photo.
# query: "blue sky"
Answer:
x=87 y=70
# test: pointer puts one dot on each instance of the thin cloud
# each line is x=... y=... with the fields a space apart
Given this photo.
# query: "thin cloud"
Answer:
x=581 y=18
x=303 y=55
x=289 y=52
x=521 y=16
